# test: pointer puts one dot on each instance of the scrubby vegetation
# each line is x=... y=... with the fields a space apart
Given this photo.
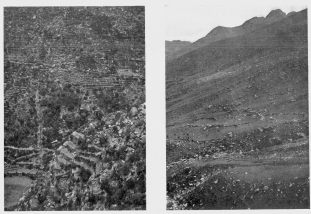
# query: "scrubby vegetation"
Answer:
x=73 y=124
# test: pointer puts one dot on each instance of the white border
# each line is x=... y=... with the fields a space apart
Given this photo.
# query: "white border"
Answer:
x=155 y=89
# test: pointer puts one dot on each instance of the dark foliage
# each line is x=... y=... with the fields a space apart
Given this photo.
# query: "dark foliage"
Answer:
x=60 y=78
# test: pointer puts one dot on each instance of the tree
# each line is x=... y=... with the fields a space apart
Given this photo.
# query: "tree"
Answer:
x=43 y=48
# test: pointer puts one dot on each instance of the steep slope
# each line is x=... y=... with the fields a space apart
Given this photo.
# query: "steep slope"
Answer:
x=268 y=61
x=74 y=71
x=220 y=32
x=235 y=108
x=288 y=33
x=173 y=46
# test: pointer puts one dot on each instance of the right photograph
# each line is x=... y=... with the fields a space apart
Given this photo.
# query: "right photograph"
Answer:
x=237 y=130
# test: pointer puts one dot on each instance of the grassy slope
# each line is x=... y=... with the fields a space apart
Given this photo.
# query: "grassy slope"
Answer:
x=228 y=105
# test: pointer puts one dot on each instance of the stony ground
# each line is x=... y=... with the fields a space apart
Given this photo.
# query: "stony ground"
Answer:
x=277 y=177
x=237 y=122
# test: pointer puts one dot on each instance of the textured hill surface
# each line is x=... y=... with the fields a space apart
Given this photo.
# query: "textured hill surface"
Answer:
x=220 y=32
x=74 y=97
x=173 y=46
x=236 y=107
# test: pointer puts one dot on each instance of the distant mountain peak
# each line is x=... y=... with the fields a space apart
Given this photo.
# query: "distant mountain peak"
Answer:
x=276 y=14
x=179 y=41
x=253 y=20
x=217 y=30
x=221 y=32
x=175 y=45
x=291 y=13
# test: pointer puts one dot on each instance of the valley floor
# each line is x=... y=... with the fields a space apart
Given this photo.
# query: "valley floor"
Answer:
x=274 y=178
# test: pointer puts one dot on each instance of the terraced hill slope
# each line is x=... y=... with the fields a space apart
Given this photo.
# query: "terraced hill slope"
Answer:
x=70 y=72
x=234 y=100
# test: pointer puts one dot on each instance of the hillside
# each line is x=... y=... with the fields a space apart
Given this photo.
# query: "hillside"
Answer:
x=74 y=108
x=173 y=46
x=221 y=32
x=237 y=107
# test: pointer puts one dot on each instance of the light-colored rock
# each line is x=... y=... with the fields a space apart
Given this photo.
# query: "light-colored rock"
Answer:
x=70 y=144
x=77 y=136
x=133 y=111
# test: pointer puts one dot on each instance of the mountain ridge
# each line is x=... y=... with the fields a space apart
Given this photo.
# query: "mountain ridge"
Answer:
x=220 y=32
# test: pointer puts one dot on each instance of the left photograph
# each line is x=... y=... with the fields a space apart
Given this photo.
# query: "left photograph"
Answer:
x=74 y=108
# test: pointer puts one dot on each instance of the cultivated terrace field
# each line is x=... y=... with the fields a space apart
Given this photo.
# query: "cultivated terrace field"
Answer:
x=74 y=108
x=237 y=121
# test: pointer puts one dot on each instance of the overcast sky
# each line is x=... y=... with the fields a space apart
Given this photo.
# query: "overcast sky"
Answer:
x=190 y=23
